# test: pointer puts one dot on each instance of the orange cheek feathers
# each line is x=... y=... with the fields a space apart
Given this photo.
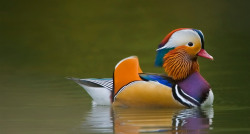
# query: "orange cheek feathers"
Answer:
x=178 y=63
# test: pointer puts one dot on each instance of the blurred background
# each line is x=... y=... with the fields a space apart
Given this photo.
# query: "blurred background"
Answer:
x=42 y=42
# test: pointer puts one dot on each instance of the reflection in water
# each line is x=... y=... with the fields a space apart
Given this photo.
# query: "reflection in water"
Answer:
x=98 y=120
x=131 y=120
x=162 y=120
x=193 y=120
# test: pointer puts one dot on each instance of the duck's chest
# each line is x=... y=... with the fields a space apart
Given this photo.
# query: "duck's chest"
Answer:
x=193 y=91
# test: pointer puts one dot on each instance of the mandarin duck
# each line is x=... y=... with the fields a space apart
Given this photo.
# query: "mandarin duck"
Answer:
x=181 y=86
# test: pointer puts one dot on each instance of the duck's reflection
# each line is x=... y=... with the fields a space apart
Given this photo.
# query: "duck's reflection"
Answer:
x=162 y=120
x=193 y=120
x=98 y=120
x=134 y=120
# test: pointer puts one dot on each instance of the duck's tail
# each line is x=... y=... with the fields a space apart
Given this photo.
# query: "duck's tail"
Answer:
x=99 y=89
x=126 y=71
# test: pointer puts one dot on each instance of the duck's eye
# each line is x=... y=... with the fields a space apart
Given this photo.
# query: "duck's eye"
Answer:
x=190 y=44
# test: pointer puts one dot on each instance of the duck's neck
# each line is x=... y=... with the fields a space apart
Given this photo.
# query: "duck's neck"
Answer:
x=179 y=65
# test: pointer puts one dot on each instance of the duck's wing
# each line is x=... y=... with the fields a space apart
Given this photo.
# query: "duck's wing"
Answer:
x=126 y=72
x=161 y=78
x=99 y=89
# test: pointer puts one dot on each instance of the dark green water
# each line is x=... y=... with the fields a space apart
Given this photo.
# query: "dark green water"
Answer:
x=42 y=42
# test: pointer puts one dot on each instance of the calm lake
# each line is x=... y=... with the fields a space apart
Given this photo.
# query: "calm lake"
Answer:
x=43 y=42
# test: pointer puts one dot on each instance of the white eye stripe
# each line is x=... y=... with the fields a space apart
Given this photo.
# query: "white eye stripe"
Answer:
x=180 y=38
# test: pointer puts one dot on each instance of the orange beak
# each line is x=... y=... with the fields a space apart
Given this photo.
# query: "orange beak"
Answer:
x=203 y=53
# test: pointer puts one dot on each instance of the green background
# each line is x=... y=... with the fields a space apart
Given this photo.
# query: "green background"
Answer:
x=42 y=42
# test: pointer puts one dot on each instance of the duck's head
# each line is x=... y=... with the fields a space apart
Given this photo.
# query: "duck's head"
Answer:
x=178 y=52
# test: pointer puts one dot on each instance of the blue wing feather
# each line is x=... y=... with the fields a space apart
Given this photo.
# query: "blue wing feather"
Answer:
x=156 y=77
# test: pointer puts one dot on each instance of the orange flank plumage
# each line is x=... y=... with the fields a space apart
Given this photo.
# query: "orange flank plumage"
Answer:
x=126 y=71
x=146 y=94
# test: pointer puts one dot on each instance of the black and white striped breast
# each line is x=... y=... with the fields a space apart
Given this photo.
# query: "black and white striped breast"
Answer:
x=186 y=99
